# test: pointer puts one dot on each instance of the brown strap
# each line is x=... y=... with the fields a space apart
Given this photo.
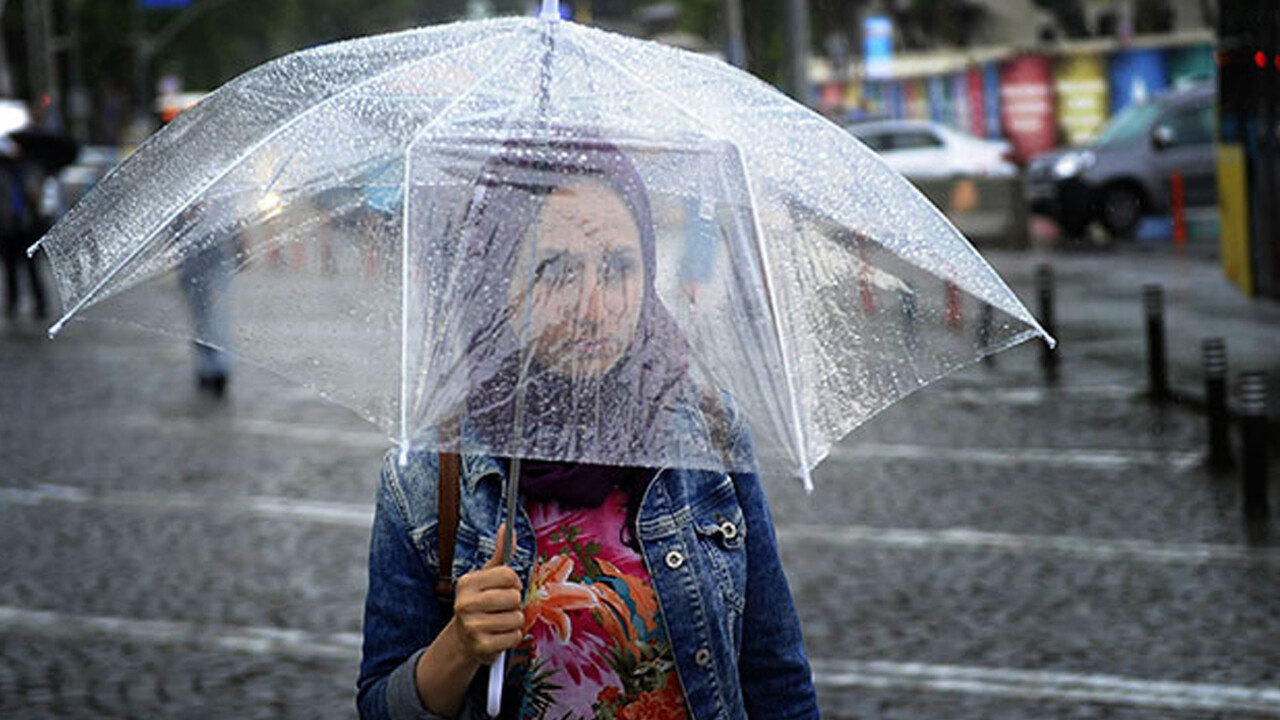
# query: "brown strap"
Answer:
x=450 y=493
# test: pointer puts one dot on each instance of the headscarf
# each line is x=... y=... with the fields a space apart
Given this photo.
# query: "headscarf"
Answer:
x=573 y=428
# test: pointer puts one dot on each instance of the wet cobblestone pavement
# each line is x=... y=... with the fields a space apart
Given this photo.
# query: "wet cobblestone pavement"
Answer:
x=992 y=548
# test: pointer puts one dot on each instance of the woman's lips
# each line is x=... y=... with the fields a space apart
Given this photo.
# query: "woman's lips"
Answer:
x=591 y=347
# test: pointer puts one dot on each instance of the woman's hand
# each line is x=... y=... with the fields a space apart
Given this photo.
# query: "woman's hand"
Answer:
x=487 y=620
x=486 y=608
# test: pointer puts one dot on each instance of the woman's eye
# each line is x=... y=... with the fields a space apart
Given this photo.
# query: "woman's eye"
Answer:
x=557 y=271
x=615 y=270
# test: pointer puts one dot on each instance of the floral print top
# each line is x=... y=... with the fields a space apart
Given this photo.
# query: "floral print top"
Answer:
x=594 y=645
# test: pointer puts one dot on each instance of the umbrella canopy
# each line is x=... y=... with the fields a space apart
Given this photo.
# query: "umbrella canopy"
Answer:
x=382 y=206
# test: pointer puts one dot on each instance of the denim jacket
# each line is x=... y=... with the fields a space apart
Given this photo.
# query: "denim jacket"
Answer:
x=707 y=539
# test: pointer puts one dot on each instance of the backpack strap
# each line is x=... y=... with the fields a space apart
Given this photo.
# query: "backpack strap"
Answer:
x=450 y=496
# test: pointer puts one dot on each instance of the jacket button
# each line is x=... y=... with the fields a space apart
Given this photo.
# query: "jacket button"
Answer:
x=702 y=657
x=674 y=559
x=729 y=530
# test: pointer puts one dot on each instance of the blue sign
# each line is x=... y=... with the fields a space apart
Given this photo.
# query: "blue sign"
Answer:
x=991 y=99
x=1136 y=75
x=164 y=4
x=877 y=45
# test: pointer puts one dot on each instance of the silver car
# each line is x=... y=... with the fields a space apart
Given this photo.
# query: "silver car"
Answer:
x=1127 y=172
x=922 y=149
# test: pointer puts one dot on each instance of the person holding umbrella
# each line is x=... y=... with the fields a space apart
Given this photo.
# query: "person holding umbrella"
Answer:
x=632 y=592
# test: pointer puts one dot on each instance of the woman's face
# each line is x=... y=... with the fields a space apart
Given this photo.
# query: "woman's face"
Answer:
x=586 y=266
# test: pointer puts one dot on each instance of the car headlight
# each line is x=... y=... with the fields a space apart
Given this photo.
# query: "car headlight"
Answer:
x=1072 y=164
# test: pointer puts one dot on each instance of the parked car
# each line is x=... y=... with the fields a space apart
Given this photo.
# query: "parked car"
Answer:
x=1126 y=172
x=923 y=149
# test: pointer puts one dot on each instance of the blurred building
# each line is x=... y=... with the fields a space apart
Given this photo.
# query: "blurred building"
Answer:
x=1026 y=75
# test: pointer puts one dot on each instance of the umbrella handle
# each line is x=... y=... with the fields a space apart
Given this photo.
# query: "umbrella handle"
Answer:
x=497 y=671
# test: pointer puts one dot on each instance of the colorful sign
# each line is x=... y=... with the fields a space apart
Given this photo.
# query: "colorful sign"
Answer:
x=877 y=45
x=977 y=105
x=1135 y=76
x=1026 y=105
x=917 y=99
x=991 y=91
x=1083 y=105
x=939 y=100
x=1190 y=65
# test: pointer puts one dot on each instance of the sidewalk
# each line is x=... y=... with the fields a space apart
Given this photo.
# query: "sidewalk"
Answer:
x=1101 y=322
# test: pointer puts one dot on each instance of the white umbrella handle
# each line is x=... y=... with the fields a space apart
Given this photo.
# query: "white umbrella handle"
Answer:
x=497 y=671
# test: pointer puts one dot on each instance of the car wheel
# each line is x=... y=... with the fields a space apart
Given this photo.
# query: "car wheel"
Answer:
x=1120 y=209
x=1074 y=228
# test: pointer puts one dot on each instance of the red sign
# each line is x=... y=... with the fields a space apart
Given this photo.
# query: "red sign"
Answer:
x=1026 y=105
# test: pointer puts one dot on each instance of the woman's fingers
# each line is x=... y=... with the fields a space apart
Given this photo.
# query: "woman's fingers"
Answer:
x=497 y=578
x=494 y=645
x=494 y=623
x=487 y=607
x=499 y=545
x=494 y=600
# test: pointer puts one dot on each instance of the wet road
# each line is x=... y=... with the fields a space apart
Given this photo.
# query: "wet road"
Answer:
x=992 y=547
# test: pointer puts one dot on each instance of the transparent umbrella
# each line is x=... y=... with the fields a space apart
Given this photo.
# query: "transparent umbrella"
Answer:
x=575 y=245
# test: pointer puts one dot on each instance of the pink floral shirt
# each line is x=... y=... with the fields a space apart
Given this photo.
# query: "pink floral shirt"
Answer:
x=594 y=645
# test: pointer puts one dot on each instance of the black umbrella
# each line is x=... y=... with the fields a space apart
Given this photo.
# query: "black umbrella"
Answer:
x=51 y=150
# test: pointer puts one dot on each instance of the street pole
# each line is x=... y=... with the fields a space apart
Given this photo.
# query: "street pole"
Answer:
x=797 y=45
x=141 y=126
x=40 y=52
x=735 y=46
x=6 y=77
x=77 y=94
x=145 y=49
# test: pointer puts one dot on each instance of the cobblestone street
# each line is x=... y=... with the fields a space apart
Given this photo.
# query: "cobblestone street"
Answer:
x=993 y=547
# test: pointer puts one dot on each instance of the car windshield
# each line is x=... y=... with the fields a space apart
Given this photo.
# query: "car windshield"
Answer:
x=1128 y=124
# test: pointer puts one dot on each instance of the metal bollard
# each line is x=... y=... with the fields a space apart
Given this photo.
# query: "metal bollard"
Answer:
x=1215 y=393
x=1048 y=356
x=910 y=317
x=1253 y=432
x=1157 y=370
x=986 y=323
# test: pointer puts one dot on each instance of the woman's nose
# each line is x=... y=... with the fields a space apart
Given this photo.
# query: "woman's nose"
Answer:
x=593 y=304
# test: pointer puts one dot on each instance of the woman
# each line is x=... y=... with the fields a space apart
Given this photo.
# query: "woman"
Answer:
x=633 y=592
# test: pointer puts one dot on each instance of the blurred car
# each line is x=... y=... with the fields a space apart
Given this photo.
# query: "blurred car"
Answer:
x=91 y=165
x=924 y=149
x=1125 y=173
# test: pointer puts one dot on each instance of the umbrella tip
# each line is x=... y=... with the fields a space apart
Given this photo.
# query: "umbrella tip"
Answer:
x=550 y=10
x=56 y=328
x=31 y=251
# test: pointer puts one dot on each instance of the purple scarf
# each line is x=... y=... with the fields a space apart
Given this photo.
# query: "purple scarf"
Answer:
x=589 y=422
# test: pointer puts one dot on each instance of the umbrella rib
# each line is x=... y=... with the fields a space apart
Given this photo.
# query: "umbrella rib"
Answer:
x=404 y=242
x=661 y=94
x=304 y=113
x=797 y=426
